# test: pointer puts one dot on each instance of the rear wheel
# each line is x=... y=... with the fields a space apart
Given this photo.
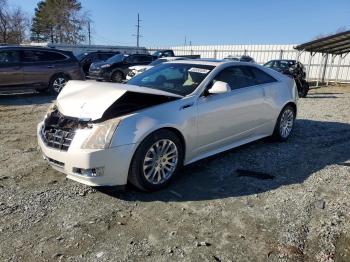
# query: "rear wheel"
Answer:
x=57 y=83
x=117 y=77
x=156 y=161
x=285 y=124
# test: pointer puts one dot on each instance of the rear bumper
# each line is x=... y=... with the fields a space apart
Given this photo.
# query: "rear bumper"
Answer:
x=114 y=162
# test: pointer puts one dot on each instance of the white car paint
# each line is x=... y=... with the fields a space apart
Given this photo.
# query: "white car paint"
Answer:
x=208 y=124
x=88 y=100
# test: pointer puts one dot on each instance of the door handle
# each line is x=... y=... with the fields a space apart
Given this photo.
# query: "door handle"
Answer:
x=50 y=66
x=186 y=106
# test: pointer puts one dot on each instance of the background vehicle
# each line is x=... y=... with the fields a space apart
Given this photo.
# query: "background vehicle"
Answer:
x=170 y=53
x=168 y=116
x=243 y=58
x=87 y=58
x=43 y=69
x=293 y=69
x=135 y=70
x=116 y=67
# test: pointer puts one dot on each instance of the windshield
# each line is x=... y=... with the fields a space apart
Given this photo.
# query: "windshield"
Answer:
x=180 y=79
x=116 y=58
x=157 y=62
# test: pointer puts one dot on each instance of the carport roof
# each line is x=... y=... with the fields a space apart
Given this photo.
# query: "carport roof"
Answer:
x=335 y=44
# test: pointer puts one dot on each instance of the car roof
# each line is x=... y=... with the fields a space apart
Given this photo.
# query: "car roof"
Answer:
x=212 y=62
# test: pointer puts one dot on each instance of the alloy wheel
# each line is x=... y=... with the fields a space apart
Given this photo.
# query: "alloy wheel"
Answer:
x=160 y=161
x=286 y=123
x=58 y=84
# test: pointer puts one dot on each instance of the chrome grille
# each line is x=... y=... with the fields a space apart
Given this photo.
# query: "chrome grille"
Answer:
x=57 y=138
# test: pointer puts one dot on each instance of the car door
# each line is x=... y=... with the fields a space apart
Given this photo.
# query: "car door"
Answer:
x=91 y=58
x=37 y=70
x=11 y=73
x=224 y=119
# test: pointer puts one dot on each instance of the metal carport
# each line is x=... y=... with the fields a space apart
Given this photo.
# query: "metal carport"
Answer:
x=334 y=45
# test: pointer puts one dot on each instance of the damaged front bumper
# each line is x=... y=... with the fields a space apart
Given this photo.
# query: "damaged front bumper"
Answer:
x=93 y=167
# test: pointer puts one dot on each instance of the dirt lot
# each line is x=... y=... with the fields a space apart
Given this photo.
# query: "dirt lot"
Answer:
x=297 y=210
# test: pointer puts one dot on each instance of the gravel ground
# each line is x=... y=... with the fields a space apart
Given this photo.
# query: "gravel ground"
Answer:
x=294 y=208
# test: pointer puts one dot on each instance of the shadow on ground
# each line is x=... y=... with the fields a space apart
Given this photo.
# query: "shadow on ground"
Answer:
x=313 y=146
x=25 y=98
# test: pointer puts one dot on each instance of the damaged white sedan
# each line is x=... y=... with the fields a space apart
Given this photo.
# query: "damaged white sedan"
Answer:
x=105 y=134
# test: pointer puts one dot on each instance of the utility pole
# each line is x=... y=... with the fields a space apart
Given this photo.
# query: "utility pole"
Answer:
x=185 y=40
x=138 y=31
x=89 y=32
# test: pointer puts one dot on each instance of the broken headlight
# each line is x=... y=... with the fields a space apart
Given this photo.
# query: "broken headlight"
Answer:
x=101 y=134
x=51 y=108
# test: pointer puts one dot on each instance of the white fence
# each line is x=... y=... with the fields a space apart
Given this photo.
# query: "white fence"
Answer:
x=319 y=67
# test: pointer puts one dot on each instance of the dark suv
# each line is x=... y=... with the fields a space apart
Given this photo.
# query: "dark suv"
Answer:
x=43 y=69
x=87 y=58
x=116 y=68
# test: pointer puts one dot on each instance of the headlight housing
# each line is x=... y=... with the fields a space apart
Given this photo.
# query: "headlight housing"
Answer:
x=105 y=66
x=51 y=108
x=101 y=134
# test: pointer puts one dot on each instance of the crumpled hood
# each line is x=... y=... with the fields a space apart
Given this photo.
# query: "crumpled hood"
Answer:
x=89 y=100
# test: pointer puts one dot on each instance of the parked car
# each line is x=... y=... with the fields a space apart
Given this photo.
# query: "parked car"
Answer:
x=87 y=58
x=243 y=58
x=170 y=53
x=116 y=68
x=166 y=117
x=43 y=69
x=294 y=69
x=135 y=70
x=163 y=53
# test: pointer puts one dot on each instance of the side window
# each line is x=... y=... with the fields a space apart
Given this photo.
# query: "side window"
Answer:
x=237 y=77
x=9 y=57
x=53 y=56
x=261 y=77
x=146 y=59
x=32 y=56
x=105 y=56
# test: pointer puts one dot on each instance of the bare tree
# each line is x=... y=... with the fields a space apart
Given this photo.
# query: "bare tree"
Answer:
x=13 y=24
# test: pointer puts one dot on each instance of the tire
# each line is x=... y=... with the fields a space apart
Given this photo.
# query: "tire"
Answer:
x=57 y=82
x=284 y=125
x=303 y=90
x=117 y=77
x=147 y=170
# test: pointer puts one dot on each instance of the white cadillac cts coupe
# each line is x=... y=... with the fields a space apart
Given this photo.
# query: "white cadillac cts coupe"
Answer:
x=105 y=134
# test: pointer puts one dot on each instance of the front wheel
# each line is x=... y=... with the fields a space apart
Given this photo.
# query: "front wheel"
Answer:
x=156 y=161
x=285 y=123
x=117 y=77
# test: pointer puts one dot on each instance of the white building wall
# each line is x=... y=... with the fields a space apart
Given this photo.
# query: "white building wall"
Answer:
x=338 y=70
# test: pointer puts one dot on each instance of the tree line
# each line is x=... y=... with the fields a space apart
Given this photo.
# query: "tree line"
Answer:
x=54 y=21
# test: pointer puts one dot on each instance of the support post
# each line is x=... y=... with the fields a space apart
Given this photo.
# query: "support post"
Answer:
x=338 y=69
x=309 y=65
x=330 y=69
x=281 y=54
x=324 y=68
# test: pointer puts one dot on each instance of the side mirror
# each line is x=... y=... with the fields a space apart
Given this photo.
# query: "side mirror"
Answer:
x=219 y=87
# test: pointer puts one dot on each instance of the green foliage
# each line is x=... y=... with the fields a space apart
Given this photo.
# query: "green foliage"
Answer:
x=59 y=21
